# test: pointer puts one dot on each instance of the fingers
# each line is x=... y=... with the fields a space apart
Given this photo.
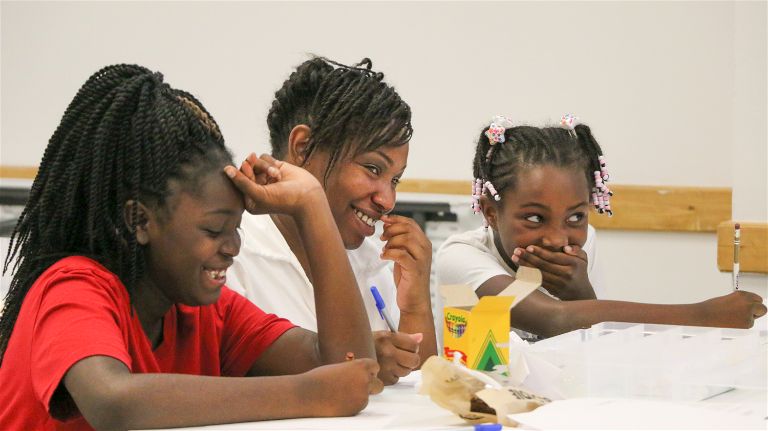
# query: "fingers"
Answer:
x=406 y=342
x=408 y=361
x=565 y=258
x=748 y=305
x=760 y=310
x=265 y=168
x=247 y=170
x=751 y=296
x=397 y=354
x=403 y=233
x=417 y=248
x=375 y=385
x=399 y=256
x=271 y=160
x=527 y=258
x=399 y=365
x=394 y=218
x=242 y=182
x=253 y=178
x=395 y=226
x=392 y=372
x=575 y=250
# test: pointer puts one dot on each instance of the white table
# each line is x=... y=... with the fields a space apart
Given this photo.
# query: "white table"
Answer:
x=398 y=407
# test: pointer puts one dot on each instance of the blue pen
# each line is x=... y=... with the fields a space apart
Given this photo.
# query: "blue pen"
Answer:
x=380 y=305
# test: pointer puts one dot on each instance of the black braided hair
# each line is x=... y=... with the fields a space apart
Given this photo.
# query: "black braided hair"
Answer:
x=122 y=138
x=527 y=146
x=349 y=109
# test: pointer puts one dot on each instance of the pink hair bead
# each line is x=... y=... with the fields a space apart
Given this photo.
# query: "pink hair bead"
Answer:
x=492 y=189
x=476 y=192
x=603 y=168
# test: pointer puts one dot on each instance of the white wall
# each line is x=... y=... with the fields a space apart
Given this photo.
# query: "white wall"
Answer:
x=675 y=92
x=750 y=133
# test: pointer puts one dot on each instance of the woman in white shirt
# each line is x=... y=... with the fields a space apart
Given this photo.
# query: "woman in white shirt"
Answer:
x=351 y=130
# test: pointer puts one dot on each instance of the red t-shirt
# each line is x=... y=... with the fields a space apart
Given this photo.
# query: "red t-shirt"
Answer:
x=77 y=308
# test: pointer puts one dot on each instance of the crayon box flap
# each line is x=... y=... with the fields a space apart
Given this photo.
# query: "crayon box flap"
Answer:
x=458 y=295
x=494 y=304
x=526 y=281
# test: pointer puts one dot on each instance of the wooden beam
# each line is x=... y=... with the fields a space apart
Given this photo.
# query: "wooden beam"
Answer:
x=20 y=172
x=753 y=251
x=666 y=208
x=438 y=187
x=654 y=208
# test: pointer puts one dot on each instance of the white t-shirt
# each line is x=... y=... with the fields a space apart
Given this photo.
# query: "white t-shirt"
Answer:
x=471 y=258
x=268 y=273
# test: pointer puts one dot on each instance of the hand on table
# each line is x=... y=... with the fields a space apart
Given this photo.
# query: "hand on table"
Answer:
x=340 y=389
x=735 y=310
x=397 y=353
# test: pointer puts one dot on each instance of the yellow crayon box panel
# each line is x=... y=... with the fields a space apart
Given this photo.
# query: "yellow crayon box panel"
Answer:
x=476 y=331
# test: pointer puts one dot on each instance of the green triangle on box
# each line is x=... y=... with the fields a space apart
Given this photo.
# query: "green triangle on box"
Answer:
x=489 y=357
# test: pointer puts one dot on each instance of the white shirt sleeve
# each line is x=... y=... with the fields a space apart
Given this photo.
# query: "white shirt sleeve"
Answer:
x=594 y=269
x=465 y=259
x=269 y=275
x=369 y=271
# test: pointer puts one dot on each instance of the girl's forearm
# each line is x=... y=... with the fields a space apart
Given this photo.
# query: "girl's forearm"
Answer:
x=342 y=323
x=585 y=313
x=548 y=317
x=135 y=401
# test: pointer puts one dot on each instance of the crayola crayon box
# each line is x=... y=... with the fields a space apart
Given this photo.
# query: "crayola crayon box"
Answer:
x=476 y=330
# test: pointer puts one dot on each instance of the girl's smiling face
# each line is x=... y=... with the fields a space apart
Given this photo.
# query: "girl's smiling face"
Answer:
x=361 y=189
x=192 y=241
x=549 y=207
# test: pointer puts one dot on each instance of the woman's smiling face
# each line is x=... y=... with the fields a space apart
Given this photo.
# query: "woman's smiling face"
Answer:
x=361 y=189
x=549 y=207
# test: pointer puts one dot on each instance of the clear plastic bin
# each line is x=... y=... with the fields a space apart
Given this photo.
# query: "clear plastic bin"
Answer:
x=684 y=363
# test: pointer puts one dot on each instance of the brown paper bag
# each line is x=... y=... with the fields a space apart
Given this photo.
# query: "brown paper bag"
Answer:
x=473 y=396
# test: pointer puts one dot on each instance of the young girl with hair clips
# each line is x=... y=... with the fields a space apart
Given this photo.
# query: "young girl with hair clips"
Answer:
x=351 y=131
x=534 y=187
x=118 y=316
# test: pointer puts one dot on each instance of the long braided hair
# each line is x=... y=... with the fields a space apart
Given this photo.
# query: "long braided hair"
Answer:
x=349 y=109
x=527 y=146
x=122 y=138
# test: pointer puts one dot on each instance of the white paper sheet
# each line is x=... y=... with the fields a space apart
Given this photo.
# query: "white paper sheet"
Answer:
x=607 y=413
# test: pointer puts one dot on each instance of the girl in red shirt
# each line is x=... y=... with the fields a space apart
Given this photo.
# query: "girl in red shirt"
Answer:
x=118 y=315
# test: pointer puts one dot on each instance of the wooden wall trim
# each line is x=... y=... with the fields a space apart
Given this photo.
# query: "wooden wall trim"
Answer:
x=753 y=251
x=19 y=172
x=667 y=208
x=440 y=187
x=636 y=207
